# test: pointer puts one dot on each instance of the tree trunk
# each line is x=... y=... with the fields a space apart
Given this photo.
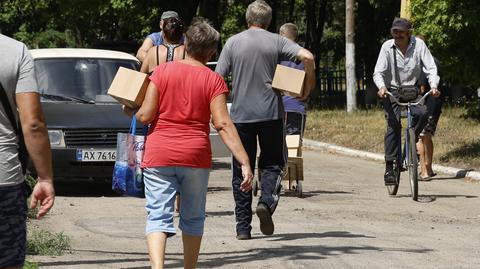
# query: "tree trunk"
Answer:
x=350 y=56
x=314 y=32
x=291 y=10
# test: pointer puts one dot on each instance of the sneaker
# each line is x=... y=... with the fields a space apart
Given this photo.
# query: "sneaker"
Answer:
x=244 y=236
x=265 y=217
x=389 y=177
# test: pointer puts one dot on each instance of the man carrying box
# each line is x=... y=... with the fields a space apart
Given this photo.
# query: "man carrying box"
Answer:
x=295 y=111
x=257 y=110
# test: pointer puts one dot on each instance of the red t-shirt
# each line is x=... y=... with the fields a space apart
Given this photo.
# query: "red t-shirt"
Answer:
x=179 y=134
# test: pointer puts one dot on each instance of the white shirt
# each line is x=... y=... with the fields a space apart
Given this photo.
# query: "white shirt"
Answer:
x=410 y=66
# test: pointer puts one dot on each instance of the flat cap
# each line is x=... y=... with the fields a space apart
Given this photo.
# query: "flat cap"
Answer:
x=401 y=24
x=169 y=14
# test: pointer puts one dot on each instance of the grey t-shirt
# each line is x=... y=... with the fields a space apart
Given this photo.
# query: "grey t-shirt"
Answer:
x=252 y=56
x=16 y=76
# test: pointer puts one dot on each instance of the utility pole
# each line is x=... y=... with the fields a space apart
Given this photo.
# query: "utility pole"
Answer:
x=350 y=56
x=405 y=9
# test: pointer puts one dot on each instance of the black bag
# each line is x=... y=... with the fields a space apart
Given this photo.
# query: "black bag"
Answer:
x=22 y=149
x=406 y=93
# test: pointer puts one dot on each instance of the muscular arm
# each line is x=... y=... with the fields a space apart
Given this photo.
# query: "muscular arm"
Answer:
x=308 y=61
x=34 y=129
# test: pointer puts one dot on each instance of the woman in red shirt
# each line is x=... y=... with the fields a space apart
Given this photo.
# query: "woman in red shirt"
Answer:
x=180 y=100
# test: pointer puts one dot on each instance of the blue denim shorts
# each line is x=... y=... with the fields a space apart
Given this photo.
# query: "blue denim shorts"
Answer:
x=13 y=227
x=161 y=187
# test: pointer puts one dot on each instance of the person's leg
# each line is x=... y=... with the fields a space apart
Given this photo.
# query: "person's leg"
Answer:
x=392 y=138
x=191 y=249
x=161 y=187
x=177 y=203
x=13 y=216
x=193 y=196
x=271 y=161
x=428 y=145
x=421 y=153
x=294 y=123
x=434 y=108
x=243 y=200
x=156 y=242
x=419 y=118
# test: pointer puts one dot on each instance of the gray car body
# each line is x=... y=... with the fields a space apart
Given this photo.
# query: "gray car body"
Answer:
x=90 y=126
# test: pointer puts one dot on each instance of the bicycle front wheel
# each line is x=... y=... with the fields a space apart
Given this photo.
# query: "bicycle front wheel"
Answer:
x=412 y=163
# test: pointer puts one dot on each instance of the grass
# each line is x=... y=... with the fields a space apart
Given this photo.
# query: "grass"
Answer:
x=456 y=142
x=30 y=265
x=42 y=242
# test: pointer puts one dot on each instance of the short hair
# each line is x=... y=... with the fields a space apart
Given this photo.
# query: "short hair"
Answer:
x=289 y=30
x=259 y=13
x=201 y=39
x=173 y=29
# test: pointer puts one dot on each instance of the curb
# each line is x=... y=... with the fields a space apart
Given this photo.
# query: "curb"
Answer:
x=458 y=173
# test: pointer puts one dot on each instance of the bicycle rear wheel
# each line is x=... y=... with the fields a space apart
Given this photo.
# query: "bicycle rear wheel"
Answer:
x=412 y=163
x=392 y=189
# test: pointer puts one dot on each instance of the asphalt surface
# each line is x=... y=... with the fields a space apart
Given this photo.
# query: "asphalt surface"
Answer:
x=345 y=220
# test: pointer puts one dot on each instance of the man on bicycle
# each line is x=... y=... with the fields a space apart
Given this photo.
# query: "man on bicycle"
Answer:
x=411 y=56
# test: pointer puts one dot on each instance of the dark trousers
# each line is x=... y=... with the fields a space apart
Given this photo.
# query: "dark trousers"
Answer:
x=394 y=126
x=271 y=139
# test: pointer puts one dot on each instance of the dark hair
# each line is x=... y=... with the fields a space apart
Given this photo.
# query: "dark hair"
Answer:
x=201 y=39
x=173 y=29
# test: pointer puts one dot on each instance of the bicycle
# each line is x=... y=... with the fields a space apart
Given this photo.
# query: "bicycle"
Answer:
x=407 y=159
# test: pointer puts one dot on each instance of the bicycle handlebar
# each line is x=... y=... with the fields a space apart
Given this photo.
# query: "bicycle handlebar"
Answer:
x=410 y=103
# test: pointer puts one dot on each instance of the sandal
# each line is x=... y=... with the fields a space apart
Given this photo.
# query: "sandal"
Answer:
x=420 y=178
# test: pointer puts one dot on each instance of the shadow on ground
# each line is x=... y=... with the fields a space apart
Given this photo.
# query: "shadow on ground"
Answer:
x=225 y=258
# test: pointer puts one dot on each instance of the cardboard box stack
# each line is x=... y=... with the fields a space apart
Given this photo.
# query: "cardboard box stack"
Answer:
x=129 y=87
x=295 y=160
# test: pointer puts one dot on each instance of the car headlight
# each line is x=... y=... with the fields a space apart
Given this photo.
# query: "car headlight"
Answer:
x=56 y=138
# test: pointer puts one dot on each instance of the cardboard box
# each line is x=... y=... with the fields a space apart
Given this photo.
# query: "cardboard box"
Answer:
x=294 y=146
x=129 y=87
x=289 y=80
x=294 y=169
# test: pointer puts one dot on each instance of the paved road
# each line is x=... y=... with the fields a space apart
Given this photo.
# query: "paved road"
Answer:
x=346 y=220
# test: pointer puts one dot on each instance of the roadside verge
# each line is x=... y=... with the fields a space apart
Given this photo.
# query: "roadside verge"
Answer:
x=458 y=173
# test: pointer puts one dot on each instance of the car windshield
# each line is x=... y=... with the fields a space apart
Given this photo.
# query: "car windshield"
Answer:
x=83 y=80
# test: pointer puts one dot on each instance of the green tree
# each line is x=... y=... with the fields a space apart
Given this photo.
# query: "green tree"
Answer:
x=451 y=27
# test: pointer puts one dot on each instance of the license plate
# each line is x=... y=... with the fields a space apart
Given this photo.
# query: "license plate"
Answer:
x=96 y=155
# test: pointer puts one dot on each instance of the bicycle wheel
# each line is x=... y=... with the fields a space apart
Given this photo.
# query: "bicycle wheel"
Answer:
x=392 y=189
x=412 y=164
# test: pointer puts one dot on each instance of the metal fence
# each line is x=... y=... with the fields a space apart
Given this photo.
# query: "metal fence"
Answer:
x=332 y=87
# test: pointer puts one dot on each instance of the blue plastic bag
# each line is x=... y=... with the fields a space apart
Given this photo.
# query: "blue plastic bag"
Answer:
x=127 y=174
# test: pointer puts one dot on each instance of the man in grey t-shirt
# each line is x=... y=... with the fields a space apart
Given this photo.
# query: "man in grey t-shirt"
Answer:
x=257 y=110
x=17 y=79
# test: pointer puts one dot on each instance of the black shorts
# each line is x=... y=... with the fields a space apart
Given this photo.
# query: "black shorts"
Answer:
x=13 y=227
x=295 y=123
